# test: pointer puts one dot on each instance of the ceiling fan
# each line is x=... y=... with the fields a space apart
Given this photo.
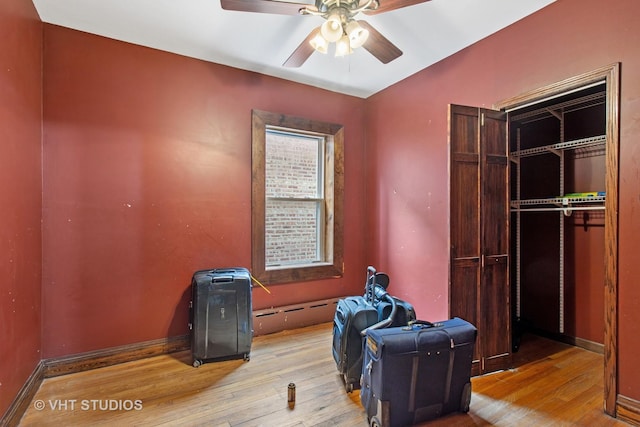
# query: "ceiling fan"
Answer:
x=340 y=26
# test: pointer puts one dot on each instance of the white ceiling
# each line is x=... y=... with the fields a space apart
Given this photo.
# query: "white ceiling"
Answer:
x=426 y=33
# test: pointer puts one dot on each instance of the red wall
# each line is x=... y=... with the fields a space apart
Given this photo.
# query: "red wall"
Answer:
x=407 y=144
x=20 y=195
x=147 y=178
x=147 y=175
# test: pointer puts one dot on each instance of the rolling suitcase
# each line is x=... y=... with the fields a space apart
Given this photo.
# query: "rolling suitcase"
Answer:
x=356 y=314
x=221 y=320
x=353 y=315
x=417 y=373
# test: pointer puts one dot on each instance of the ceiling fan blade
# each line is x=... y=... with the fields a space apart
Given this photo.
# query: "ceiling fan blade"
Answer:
x=265 y=6
x=302 y=52
x=379 y=46
x=388 y=5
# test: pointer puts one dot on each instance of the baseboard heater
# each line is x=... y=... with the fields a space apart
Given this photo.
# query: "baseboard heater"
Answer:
x=276 y=319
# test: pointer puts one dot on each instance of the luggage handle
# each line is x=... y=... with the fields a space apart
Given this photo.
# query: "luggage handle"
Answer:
x=370 y=284
x=375 y=285
x=386 y=322
x=224 y=271
x=221 y=279
x=423 y=323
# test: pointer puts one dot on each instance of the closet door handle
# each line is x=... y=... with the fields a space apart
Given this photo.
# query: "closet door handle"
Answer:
x=494 y=259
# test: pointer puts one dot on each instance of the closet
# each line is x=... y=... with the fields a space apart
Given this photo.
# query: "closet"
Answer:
x=557 y=190
x=527 y=200
x=539 y=249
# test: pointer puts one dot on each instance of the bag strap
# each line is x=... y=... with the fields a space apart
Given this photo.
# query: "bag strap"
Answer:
x=416 y=366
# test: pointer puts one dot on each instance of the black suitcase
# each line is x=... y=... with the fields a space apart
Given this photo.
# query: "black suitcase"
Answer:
x=221 y=319
x=356 y=314
x=417 y=373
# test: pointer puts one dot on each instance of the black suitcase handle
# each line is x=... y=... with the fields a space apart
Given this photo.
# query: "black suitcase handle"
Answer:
x=222 y=279
x=422 y=323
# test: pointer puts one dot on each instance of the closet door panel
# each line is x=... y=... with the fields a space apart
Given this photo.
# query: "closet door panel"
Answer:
x=494 y=300
x=465 y=215
x=464 y=296
x=464 y=193
x=495 y=208
x=494 y=136
x=494 y=283
x=463 y=129
x=464 y=182
x=494 y=187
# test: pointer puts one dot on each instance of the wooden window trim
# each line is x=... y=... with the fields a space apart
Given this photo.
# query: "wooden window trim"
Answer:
x=334 y=190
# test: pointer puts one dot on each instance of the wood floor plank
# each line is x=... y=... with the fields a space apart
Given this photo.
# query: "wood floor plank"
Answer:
x=551 y=384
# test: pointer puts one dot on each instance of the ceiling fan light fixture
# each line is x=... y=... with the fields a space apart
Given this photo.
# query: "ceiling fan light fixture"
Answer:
x=331 y=29
x=357 y=35
x=319 y=43
x=343 y=46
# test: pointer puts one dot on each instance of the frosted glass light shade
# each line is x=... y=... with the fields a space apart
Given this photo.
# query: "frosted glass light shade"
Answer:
x=357 y=35
x=331 y=29
x=343 y=47
x=319 y=43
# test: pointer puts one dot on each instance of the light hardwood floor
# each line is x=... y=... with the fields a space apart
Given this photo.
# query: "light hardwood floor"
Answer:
x=552 y=385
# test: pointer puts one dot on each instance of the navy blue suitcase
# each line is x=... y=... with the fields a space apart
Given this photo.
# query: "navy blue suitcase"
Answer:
x=356 y=314
x=418 y=372
x=353 y=315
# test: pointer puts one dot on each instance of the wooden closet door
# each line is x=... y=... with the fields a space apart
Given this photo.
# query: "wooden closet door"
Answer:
x=494 y=226
x=465 y=218
x=479 y=286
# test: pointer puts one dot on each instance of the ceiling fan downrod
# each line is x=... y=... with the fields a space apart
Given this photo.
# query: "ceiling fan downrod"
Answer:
x=352 y=8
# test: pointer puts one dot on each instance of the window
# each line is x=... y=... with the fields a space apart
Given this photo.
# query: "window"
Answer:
x=297 y=186
x=294 y=198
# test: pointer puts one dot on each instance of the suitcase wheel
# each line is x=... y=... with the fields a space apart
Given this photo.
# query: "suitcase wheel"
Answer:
x=374 y=422
x=348 y=385
x=246 y=357
x=465 y=399
x=196 y=363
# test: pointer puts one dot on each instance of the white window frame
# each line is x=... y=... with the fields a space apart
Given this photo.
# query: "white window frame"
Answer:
x=319 y=199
